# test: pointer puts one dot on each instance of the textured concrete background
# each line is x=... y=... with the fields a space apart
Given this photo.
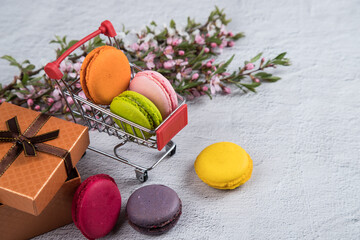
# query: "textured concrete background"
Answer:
x=302 y=133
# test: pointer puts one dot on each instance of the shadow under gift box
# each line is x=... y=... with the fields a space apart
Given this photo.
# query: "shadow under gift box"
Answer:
x=30 y=183
x=15 y=224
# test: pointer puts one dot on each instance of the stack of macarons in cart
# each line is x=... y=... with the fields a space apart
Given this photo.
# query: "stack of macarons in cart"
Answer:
x=146 y=100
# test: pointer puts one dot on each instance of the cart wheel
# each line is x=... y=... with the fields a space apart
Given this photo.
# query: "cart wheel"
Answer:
x=141 y=175
x=173 y=151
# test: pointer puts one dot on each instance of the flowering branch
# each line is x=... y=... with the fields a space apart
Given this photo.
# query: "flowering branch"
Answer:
x=185 y=55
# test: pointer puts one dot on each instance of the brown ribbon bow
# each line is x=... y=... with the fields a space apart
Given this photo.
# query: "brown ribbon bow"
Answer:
x=29 y=143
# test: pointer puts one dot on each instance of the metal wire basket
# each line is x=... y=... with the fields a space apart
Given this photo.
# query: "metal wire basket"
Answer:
x=100 y=118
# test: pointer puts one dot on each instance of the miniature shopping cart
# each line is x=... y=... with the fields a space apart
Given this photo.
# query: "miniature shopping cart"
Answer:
x=100 y=118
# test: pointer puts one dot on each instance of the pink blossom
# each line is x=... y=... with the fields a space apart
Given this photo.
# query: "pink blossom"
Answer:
x=50 y=100
x=213 y=45
x=208 y=64
x=77 y=67
x=169 y=40
x=169 y=64
x=150 y=65
x=230 y=34
x=56 y=106
x=226 y=74
x=181 y=52
x=134 y=46
x=214 y=85
x=19 y=95
x=205 y=88
x=56 y=93
x=37 y=107
x=212 y=60
x=144 y=46
x=249 y=66
x=82 y=95
x=209 y=72
x=73 y=75
x=257 y=80
x=86 y=107
x=206 y=50
x=176 y=41
x=223 y=44
x=70 y=100
x=30 y=102
x=168 y=52
x=227 y=90
x=181 y=62
x=65 y=67
x=199 y=39
x=231 y=43
x=2 y=100
x=184 y=73
x=78 y=85
x=195 y=76
x=149 y=59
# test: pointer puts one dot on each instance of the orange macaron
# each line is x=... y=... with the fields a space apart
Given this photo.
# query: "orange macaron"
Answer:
x=105 y=73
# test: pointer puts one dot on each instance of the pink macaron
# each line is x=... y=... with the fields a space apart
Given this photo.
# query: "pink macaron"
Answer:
x=96 y=206
x=158 y=89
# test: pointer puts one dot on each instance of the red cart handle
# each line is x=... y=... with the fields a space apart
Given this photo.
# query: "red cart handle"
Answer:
x=52 y=68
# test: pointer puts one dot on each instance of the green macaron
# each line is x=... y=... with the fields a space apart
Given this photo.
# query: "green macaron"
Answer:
x=138 y=109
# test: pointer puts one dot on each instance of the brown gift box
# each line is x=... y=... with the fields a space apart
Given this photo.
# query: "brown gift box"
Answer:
x=30 y=183
x=15 y=224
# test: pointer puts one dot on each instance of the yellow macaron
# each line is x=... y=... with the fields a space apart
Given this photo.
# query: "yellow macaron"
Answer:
x=224 y=165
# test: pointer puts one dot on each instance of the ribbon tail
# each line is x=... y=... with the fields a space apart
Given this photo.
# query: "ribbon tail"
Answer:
x=13 y=125
x=29 y=149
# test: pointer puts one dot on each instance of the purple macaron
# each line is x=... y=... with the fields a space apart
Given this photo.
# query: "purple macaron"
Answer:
x=153 y=209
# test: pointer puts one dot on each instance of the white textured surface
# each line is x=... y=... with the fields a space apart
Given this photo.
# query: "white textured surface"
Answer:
x=302 y=133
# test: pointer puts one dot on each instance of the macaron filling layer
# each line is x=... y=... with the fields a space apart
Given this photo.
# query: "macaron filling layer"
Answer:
x=141 y=109
x=235 y=183
x=160 y=85
x=161 y=227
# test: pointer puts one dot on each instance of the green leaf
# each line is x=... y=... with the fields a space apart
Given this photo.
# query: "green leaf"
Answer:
x=262 y=75
x=30 y=67
x=238 y=36
x=72 y=42
x=272 y=79
x=209 y=94
x=153 y=23
x=280 y=56
x=172 y=24
x=162 y=70
x=257 y=57
x=251 y=86
x=10 y=59
x=25 y=78
x=213 y=39
x=280 y=62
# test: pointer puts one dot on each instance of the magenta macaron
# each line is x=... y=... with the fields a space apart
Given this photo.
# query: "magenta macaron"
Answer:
x=96 y=206
x=157 y=88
